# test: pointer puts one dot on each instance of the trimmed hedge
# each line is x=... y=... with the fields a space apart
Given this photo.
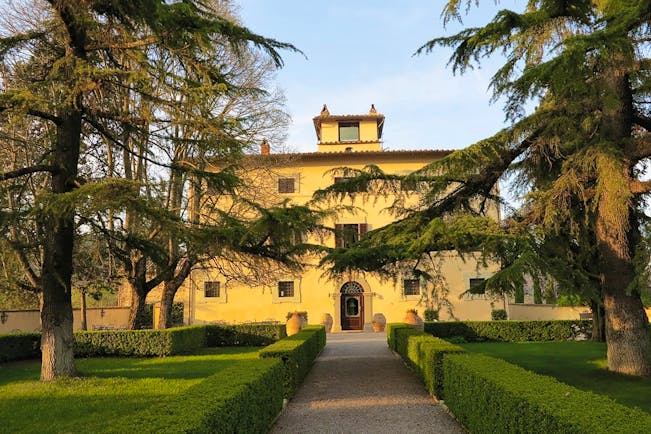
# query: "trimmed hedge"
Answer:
x=139 y=343
x=19 y=346
x=298 y=353
x=248 y=335
x=423 y=353
x=244 y=398
x=489 y=395
x=511 y=331
x=391 y=333
x=146 y=343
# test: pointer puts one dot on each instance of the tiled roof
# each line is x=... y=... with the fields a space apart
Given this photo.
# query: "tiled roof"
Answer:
x=360 y=154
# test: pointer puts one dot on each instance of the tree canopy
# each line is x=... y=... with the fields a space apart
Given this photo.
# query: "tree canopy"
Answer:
x=100 y=102
x=578 y=159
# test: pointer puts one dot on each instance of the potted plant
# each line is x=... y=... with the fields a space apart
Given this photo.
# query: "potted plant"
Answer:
x=412 y=319
x=431 y=314
x=294 y=324
x=379 y=322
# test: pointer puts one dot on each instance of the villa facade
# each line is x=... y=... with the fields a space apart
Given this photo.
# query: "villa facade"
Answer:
x=352 y=300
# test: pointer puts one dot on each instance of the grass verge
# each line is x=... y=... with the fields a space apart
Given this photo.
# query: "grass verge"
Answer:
x=108 y=389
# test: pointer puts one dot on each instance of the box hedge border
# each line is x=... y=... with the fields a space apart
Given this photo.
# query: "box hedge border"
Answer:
x=489 y=395
x=244 y=398
x=139 y=343
x=298 y=353
x=146 y=343
x=248 y=335
x=423 y=353
x=20 y=346
x=511 y=331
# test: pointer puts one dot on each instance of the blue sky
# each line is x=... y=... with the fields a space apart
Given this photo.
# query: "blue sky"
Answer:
x=361 y=52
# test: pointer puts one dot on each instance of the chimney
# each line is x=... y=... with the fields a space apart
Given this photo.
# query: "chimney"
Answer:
x=265 y=149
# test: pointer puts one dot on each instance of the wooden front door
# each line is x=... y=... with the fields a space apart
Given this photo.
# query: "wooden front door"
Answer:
x=352 y=306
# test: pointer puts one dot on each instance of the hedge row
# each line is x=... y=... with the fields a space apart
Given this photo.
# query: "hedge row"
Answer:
x=423 y=353
x=489 y=395
x=247 y=335
x=19 y=346
x=298 y=353
x=145 y=343
x=139 y=343
x=511 y=331
x=244 y=398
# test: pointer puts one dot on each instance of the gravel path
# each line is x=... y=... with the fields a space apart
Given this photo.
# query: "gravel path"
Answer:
x=357 y=385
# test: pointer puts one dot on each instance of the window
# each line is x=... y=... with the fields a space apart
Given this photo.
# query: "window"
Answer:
x=477 y=286
x=348 y=234
x=411 y=287
x=211 y=289
x=348 y=131
x=286 y=185
x=286 y=288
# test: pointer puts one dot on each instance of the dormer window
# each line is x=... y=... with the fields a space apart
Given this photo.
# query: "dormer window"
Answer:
x=349 y=131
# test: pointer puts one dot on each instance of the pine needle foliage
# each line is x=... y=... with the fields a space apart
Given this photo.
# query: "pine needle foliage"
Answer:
x=578 y=159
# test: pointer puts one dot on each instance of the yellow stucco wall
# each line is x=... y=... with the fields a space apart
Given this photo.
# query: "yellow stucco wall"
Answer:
x=318 y=295
x=96 y=318
x=313 y=292
x=527 y=312
x=368 y=131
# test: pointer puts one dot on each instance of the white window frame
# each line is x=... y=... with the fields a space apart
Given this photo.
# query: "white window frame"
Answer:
x=277 y=299
x=222 y=298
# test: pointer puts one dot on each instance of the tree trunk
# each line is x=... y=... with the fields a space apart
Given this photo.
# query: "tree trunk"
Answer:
x=170 y=287
x=56 y=310
x=82 y=310
x=627 y=334
x=598 y=321
x=137 y=310
x=628 y=337
x=166 y=304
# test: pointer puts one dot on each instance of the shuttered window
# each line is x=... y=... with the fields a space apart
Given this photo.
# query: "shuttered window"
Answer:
x=286 y=288
x=348 y=234
x=411 y=287
x=286 y=185
x=211 y=289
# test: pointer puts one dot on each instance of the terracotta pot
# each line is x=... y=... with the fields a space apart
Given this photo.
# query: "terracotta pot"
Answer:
x=379 y=322
x=294 y=324
x=327 y=321
x=412 y=319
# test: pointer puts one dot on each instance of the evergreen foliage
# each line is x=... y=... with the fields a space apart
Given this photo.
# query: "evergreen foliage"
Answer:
x=123 y=107
x=578 y=159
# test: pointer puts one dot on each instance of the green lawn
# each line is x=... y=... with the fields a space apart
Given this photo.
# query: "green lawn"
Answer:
x=108 y=388
x=580 y=364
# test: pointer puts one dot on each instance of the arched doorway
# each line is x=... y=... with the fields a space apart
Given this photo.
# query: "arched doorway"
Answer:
x=352 y=306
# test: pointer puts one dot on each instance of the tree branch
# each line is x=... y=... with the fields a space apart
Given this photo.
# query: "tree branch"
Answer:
x=640 y=187
x=642 y=121
x=124 y=45
x=39 y=114
x=28 y=170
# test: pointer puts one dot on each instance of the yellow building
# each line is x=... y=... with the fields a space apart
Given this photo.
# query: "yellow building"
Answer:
x=352 y=300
